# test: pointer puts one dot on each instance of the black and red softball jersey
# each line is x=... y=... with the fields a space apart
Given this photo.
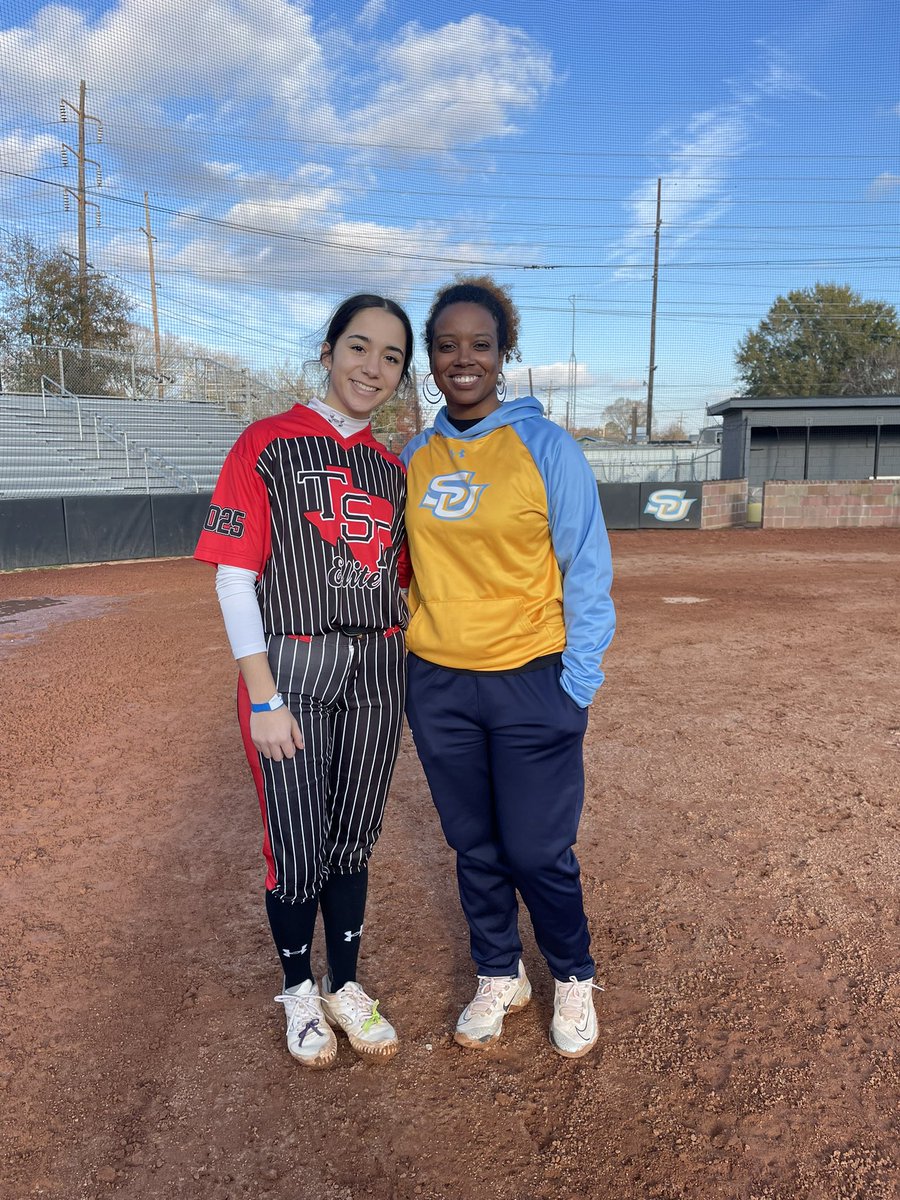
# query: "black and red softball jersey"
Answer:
x=319 y=519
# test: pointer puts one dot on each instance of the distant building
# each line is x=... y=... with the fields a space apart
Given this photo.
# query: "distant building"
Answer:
x=809 y=437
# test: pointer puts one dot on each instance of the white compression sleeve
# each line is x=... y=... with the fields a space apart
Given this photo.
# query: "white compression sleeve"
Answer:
x=236 y=589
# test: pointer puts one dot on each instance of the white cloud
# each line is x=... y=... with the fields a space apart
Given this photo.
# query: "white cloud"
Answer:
x=882 y=187
x=547 y=375
x=457 y=85
x=297 y=244
x=696 y=168
x=213 y=106
x=157 y=51
x=778 y=78
x=25 y=154
x=371 y=12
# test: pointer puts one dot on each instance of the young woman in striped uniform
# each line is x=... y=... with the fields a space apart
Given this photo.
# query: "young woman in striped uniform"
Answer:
x=306 y=530
x=511 y=615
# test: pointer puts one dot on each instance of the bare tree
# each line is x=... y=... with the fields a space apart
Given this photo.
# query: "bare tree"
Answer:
x=622 y=417
x=875 y=374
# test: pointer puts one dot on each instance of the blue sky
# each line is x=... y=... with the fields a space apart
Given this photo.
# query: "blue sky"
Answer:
x=295 y=151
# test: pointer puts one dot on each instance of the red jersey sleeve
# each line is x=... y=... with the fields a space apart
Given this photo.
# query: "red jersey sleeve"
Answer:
x=404 y=565
x=237 y=531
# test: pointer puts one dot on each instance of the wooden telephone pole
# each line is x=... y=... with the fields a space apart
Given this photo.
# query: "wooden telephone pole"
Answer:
x=147 y=231
x=652 y=368
x=80 y=195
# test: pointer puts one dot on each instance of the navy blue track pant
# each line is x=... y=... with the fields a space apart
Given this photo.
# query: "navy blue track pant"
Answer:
x=502 y=753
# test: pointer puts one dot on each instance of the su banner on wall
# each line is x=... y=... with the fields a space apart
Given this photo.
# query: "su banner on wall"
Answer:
x=670 y=505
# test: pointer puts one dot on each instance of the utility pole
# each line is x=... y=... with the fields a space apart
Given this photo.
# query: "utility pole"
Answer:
x=571 y=398
x=147 y=231
x=549 y=400
x=652 y=368
x=82 y=201
x=634 y=423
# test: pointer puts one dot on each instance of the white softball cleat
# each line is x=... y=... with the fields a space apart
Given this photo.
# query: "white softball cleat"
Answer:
x=309 y=1036
x=481 y=1021
x=355 y=1014
x=573 y=1030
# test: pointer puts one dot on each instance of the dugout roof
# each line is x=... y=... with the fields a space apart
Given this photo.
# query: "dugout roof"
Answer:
x=810 y=410
x=809 y=437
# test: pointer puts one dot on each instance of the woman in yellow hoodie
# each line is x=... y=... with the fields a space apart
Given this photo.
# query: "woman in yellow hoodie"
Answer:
x=511 y=615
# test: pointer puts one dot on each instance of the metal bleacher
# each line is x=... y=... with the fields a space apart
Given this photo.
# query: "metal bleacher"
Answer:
x=58 y=444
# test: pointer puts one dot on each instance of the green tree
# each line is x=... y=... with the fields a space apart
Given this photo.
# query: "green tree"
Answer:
x=811 y=338
x=40 y=312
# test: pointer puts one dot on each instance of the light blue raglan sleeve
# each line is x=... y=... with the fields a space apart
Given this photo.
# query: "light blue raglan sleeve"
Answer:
x=581 y=545
x=413 y=445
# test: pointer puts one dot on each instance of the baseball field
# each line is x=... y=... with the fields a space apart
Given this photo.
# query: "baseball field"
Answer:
x=740 y=851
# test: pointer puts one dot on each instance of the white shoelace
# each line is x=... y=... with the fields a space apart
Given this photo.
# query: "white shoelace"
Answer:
x=488 y=993
x=357 y=1001
x=301 y=1009
x=573 y=997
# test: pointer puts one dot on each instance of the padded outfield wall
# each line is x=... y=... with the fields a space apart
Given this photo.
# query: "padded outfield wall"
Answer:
x=60 y=530
x=55 y=531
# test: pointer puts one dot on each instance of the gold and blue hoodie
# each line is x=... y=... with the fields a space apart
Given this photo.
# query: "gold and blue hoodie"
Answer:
x=509 y=551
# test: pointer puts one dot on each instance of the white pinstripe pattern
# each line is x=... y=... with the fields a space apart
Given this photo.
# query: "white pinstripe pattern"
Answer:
x=295 y=595
x=325 y=806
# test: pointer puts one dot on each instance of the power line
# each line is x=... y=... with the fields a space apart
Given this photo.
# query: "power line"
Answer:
x=545 y=152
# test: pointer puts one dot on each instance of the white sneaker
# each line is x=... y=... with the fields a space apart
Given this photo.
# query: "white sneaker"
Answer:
x=309 y=1035
x=481 y=1021
x=356 y=1014
x=573 y=1030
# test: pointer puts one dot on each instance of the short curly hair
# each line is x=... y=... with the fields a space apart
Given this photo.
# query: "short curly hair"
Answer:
x=482 y=290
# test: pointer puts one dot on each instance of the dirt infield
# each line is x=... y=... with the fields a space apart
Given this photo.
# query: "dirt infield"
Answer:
x=740 y=857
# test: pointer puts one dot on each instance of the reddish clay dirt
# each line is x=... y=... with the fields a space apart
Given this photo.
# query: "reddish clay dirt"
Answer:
x=740 y=857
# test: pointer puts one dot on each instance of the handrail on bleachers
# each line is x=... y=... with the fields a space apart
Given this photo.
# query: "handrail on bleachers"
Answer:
x=185 y=480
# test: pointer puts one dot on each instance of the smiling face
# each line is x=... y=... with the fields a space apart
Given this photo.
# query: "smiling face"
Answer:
x=466 y=360
x=366 y=363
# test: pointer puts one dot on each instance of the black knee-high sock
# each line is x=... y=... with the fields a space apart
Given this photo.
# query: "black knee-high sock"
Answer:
x=343 y=900
x=292 y=929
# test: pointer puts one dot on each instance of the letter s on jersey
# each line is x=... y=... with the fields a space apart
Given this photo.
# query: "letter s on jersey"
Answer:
x=229 y=521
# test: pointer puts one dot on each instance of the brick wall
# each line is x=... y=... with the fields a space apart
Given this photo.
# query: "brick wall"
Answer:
x=849 y=504
x=724 y=504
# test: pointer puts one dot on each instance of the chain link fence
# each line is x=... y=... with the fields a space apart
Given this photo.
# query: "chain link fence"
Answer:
x=136 y=376
x=654 y=463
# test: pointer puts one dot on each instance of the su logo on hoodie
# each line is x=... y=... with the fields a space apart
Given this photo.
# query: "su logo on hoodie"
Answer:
x=453 y=497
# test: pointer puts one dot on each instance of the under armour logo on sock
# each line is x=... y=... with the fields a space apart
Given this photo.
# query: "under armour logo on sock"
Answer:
x=349 y=935
x=294 y=953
